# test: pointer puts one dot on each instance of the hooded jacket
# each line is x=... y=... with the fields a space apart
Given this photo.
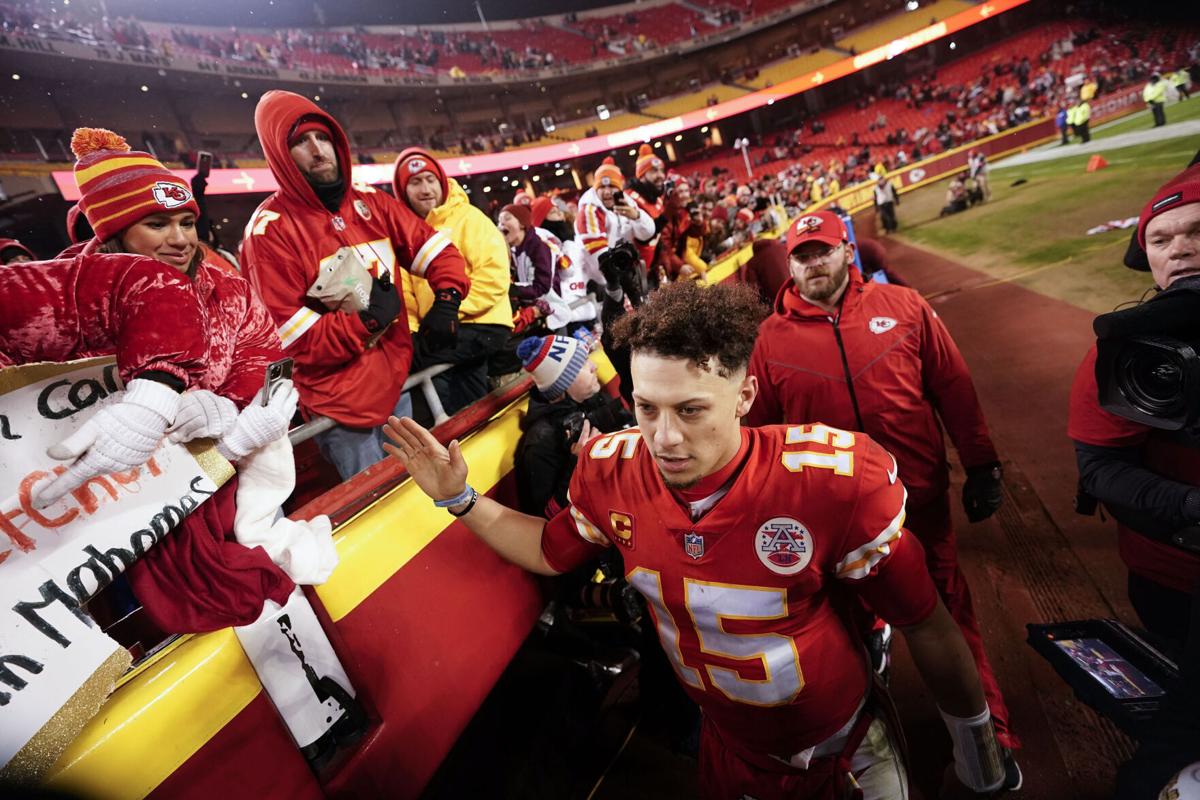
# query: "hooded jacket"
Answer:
x=597 y=228
x=486 y=255
x=887 y=352
x=140 y=309
x=342 y=370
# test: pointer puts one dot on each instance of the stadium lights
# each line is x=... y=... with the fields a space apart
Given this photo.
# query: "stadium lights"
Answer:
x=537 y=178
x=679 y=137
x=317 y=97
x=953 y=45
x=16 y=77
x=145 y=88
x=771 y=101
x=558 y=173
x=487 y=188
x=704 y=129
x=525 y=168
x=912 y=5
x=657 y=145
x=602 y=112
x=245 y=96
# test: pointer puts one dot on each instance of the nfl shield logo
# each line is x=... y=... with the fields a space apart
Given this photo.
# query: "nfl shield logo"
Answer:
x=693 y=544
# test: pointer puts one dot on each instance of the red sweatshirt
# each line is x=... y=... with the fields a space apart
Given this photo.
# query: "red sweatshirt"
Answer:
x=905 y=372
x=342 y=371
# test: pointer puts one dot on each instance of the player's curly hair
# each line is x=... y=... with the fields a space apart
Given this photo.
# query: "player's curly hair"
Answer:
x=683 y=320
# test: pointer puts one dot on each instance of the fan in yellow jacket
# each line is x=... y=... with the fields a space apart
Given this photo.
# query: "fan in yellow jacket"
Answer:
x=485 y=315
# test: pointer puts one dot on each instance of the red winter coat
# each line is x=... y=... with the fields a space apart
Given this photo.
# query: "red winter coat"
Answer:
x=342 y=371
x=136 y=307
x=906 y=375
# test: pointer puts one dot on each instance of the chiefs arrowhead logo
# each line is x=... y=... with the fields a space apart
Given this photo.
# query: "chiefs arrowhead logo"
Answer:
x=170 y=195
x=879 y=325
x=416 y=165
x=808 y=224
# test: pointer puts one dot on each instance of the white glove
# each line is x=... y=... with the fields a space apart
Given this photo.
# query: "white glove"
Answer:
x=202 y=415
x=117 y=438
x=258 y=424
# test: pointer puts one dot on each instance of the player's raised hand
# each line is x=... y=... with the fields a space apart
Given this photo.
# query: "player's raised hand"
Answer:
x=441 y=473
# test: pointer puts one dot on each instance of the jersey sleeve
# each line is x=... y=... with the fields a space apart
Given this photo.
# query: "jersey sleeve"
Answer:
x=571 y=538
x=591 y=229
x=426 y=252
x=882 y=561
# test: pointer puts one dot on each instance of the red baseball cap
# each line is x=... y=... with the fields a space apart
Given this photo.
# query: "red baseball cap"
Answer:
x=820 y=226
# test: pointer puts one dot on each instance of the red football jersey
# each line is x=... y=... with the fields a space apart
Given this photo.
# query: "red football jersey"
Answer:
x=744 y=598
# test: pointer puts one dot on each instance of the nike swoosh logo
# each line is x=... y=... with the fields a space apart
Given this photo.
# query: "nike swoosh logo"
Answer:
x=894 y=472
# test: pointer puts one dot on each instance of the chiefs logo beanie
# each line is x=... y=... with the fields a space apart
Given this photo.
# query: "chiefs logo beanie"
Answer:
x=121 y=186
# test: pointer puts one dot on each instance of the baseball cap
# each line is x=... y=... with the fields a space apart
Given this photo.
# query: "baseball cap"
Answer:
x=820 y=226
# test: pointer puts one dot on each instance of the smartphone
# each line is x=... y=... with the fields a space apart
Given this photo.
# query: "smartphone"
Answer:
x=277 y=372
x=618 y=197
x=203 y=163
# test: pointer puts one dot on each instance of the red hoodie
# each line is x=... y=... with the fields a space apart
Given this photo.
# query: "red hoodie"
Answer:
x=905 y=373
x=342 y=371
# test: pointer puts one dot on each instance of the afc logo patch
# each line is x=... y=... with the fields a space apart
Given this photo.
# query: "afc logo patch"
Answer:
x=783 y=545
x=879 y=325
x=170 y=195
x=622 y=527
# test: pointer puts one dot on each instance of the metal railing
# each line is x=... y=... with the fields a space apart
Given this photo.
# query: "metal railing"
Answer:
x=422 y=379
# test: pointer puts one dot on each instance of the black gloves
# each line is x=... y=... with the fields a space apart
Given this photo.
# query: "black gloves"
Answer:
x=384 y=305
x=983 y=491
x=439 y=327
x=619 y=266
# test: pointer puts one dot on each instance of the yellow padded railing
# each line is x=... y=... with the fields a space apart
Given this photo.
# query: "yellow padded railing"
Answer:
x=901 y=24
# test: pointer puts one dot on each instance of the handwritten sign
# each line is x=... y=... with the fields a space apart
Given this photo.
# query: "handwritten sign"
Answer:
x=53 y=560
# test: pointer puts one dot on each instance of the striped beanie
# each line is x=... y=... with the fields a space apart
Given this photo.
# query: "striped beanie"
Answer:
x=121 y=186
x=646 y=161
x=553 y=361
x=608 y=174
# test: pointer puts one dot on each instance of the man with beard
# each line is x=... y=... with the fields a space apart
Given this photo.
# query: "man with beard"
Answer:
x=744 y=556
x=875 y=358
x=646 y=191
x=350 y=365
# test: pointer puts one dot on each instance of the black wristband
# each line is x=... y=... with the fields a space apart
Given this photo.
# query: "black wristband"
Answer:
x=470 y=505
x=165 y=378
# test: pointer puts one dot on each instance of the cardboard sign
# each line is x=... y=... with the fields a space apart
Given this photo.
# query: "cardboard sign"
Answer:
x=53 y=560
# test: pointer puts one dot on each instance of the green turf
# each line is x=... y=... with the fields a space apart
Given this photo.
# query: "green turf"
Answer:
x=1141 y=121
x=1036 y=233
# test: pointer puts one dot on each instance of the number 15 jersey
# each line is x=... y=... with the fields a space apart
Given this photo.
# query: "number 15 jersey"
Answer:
x=745 y=598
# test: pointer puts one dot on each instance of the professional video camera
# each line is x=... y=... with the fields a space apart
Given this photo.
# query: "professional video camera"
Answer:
x=1147 y=362
x=621 y=265
x=1148 y=371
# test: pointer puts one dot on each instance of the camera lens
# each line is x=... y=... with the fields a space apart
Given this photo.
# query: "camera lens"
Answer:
x=1151 y=379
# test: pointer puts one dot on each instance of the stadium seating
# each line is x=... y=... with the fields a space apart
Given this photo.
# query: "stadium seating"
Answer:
x=900 y=25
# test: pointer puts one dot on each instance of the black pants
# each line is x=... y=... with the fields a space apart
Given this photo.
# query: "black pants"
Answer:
x=1166 y=612
x=1085 y=135
x=887 y=213
x=467 y=381
x=1066 y=138
x=1160 y=116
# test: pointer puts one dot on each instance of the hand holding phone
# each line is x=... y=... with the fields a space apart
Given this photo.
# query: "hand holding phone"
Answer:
x=277 y=372
x=204 y=161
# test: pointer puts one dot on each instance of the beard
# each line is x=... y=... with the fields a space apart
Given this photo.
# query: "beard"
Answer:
x=678 y=484
x=834 y=280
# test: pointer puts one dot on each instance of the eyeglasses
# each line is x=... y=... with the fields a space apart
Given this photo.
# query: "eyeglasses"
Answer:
x=814 y=256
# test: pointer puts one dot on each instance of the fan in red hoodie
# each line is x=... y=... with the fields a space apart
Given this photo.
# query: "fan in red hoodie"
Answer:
x=350 y=366
x=875 y=358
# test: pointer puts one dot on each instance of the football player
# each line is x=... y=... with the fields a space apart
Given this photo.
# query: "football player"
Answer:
x=747 y=544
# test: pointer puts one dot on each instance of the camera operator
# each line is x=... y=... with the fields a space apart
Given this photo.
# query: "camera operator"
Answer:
x=1140 y=471
x=567 y=409
x=1147 y=477
x=606 y=219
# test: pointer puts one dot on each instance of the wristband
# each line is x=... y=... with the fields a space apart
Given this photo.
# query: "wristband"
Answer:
x=470 y=505
x=457 y=500
x=977 y=760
